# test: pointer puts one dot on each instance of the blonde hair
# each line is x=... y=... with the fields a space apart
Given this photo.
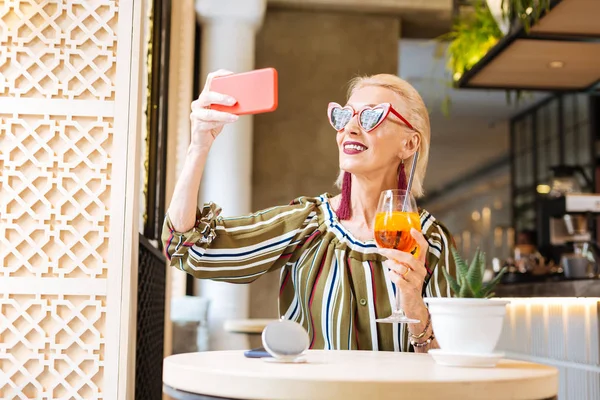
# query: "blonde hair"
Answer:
x=417 y=115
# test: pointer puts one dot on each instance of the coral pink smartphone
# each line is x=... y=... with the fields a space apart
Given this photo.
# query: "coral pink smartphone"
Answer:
x=255 y=91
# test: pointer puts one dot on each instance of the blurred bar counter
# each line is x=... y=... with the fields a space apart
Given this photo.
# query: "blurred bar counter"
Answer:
x=551 y=288
x=563 y=332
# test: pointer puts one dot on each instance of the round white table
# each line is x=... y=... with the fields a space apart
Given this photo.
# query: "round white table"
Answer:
x=350 y=375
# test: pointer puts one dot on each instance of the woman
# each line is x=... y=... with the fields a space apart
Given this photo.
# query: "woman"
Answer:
x=334 y=280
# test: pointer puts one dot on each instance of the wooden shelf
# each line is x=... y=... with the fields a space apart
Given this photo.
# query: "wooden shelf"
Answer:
x=569 y=33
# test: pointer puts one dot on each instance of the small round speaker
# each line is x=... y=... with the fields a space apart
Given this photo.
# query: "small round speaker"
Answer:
x=284 y=339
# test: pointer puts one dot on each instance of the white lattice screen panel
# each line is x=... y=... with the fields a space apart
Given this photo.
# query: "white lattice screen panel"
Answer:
x=60 y=338
x=59 y=149
x=563 y=333
x=55 y=196
x=58 y=49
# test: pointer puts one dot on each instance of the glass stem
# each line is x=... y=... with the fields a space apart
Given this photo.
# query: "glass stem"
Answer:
x=398 y=310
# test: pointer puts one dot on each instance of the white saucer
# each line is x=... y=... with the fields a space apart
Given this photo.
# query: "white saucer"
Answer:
x=297 y=360
x=465 y=359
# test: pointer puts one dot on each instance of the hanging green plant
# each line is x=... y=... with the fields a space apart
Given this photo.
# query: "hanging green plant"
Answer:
x=471 y=37
x=528 y=12
x=474 y=33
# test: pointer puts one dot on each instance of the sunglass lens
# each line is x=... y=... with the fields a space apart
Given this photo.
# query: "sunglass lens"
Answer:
x=369 y=118
x=340 y=117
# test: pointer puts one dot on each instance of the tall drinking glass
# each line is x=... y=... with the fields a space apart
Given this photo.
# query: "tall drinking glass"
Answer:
x=396 y=214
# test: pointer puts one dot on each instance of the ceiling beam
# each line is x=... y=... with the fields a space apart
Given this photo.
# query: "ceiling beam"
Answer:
x=420 y=19
x=379 y=6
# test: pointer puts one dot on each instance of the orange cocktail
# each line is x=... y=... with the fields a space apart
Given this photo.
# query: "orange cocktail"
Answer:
x=392 y=230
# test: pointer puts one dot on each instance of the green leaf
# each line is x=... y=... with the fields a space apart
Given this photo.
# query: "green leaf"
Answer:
x=439 y=50
x=489 y=296
x=538 y=9
x=517 y=10
x=480 y=294
x=482 y=264
x=487 y=288
x=518 y=7
x=461 y=266
x=526 y=23
x=504 y=9
x=465 y=292
x=453 y=284
x=446 y=104
x=475 y=276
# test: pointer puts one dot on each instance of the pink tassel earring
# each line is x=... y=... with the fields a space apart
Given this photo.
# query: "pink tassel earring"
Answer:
x=344 y=211
x=402 y=185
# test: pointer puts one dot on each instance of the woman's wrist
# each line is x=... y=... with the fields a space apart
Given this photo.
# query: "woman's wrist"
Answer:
x=198 y=150
x=421 y=335
x=417 y=310
x=414 y=307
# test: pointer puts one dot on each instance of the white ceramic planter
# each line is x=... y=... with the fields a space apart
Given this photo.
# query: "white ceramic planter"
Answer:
x=467 y=325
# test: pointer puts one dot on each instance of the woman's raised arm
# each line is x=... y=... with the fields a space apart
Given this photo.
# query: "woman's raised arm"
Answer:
x=206 y=126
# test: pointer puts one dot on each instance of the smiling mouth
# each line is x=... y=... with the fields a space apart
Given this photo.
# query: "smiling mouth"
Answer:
x=354 y=147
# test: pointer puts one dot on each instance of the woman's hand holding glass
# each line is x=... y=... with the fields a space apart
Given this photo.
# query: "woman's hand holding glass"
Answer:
x=397 y=234
x=408 y=272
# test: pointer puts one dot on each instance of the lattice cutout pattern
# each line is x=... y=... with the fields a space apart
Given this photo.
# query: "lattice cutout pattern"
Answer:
x=58 y=49
x=55 y=186
x=52 y=347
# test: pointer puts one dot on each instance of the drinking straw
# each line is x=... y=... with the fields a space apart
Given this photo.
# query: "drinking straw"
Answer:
x=410 y=180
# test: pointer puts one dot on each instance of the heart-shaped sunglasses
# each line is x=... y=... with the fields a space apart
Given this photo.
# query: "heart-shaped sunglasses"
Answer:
x=369 y=118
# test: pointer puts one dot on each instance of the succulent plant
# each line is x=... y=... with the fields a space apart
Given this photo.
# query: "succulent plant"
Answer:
x=469 y=279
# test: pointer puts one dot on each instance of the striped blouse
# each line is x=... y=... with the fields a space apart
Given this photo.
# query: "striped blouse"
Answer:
x=331 y=283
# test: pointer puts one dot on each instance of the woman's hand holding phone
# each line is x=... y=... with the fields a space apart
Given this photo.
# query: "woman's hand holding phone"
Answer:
x=246 y=93
x=207 y=124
